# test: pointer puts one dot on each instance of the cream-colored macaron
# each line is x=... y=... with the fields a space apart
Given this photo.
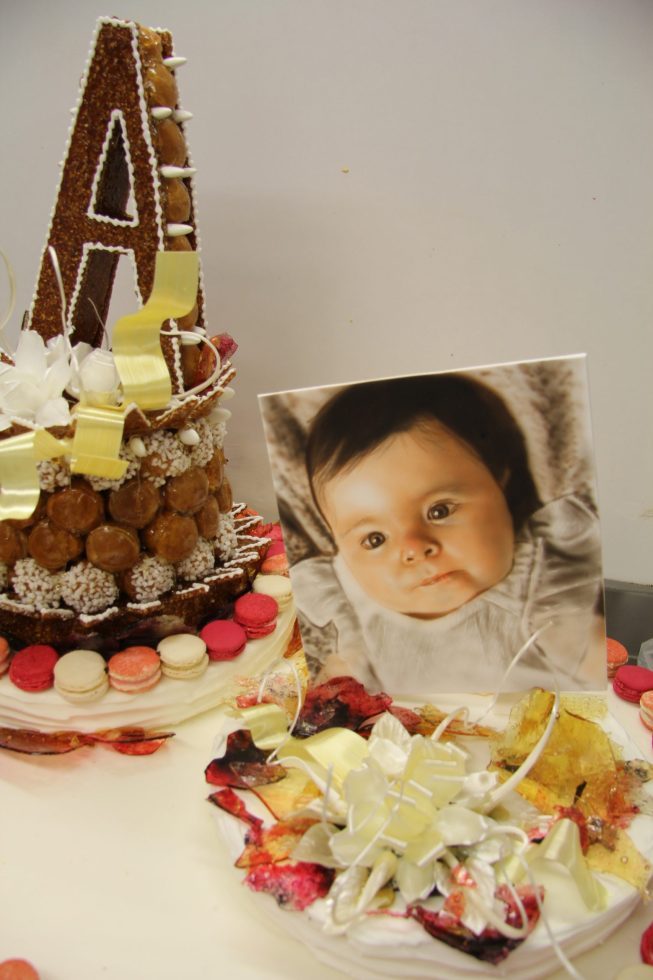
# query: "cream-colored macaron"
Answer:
x=81 y=675
x=277 y=586
x=183 y=656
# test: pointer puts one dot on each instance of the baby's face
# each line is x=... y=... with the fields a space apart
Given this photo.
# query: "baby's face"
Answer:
x=420 y=522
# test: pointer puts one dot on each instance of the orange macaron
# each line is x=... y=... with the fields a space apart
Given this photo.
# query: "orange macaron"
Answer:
x=617 y=655
x=646 y=709
x=4 y=656
x=134 y=670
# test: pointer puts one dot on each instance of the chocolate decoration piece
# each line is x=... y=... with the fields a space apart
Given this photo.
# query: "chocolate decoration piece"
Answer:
x=77 y=509
x=135 y=503
x=172 y=536
x=208 y=518
x=187 y=492
x=52 y=546
x=225 y=497
x=13 y=543
x=214 y=470
x=113 y=548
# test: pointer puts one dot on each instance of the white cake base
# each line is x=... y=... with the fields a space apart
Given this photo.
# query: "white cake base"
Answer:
x=169 y=703
x=381 y=946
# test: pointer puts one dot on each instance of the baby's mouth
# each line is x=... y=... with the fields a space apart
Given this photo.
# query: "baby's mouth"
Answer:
x=434 y=579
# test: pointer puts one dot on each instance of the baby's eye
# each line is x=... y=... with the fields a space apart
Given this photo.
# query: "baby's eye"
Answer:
x=373 y=540
x=438 y=512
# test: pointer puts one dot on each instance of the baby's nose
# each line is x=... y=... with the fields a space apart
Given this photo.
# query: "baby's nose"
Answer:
x=415 y=548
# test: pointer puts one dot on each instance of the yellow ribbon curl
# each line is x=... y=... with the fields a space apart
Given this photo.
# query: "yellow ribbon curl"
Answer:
x=145 y=379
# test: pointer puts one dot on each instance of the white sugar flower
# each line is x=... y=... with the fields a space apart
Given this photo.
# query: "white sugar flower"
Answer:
x=31 y=389
x=94 y=376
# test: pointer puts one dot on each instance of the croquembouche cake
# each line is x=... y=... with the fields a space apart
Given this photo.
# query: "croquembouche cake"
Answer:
x=118 y=520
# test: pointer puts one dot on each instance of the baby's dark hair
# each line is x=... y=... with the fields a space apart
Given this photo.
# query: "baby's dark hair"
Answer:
x=359 y=418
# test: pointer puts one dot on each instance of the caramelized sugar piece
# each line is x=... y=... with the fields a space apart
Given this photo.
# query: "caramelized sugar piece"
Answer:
x=208 y=518
x=113 y=548
x=172 y=145
x=77 y=509
x=225 y=497
x=135 y=503
x=177 y=203
x=188 y=492
x=13 y=543
x=52 y=546
x=172 y=536
x=215 y=470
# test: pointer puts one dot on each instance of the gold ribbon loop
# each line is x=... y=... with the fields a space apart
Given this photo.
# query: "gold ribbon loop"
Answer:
x=20 y=489
x=96 y=446
x=136 y=337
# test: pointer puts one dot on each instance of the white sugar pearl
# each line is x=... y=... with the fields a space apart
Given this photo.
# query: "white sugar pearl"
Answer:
x=189 y=437
x=137 y=446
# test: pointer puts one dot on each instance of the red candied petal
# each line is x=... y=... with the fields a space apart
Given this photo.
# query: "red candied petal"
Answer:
x=409 y=719
x=226 y=345
x=646 y=946
x=231 y=803
x=146 y=747
x=340 y=702
x=574 y=814
x=243 y=765
x=129 y=736
x=276 y=843
x=42 y=743
x=293 y=886
x=490 y=946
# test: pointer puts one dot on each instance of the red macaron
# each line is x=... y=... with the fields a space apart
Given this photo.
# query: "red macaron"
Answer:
x=224 y=639
x=631 y=682
x=257 y=614
x=32 y=668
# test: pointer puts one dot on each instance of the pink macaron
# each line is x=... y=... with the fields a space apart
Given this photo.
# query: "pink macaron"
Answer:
x=224 y=639
x=630 y=682
x=257 y=614
x=134 y=670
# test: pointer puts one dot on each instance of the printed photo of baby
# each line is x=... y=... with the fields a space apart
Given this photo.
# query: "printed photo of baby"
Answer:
x=435 y=522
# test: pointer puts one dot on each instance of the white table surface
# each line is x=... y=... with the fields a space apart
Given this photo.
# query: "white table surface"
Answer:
x=111 y=869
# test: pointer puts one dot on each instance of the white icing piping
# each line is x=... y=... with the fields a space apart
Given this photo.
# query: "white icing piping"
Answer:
x=117 y=117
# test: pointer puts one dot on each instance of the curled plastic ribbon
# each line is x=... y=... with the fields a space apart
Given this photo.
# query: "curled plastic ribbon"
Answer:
x=145 y=381
x=136 y=337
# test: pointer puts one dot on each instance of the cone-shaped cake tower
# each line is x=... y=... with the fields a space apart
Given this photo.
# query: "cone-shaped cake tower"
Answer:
x=131 y=531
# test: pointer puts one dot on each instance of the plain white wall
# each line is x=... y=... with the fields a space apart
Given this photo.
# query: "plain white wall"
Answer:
x=393 y=186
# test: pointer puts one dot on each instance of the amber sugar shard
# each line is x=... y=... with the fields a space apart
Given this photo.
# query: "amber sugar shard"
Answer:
x=137 y=537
